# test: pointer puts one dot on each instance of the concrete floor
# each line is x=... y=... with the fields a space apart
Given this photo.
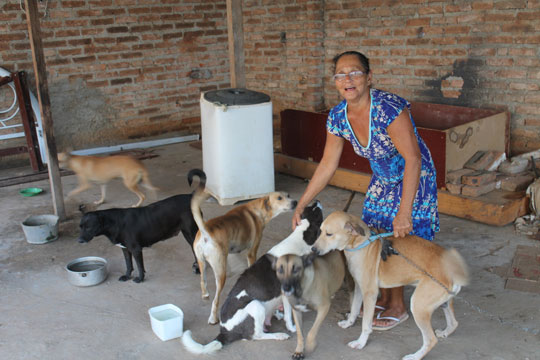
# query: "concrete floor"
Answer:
x=43 y=316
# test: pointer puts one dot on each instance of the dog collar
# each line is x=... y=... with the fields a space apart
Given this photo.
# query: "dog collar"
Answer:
x=371 y=239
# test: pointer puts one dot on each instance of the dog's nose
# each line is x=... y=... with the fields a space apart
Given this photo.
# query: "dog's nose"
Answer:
x=294 y=203
x=81 y=240
x=315 y=250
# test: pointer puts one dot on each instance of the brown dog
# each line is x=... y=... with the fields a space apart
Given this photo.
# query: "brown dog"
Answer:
x=309 y=280
x=341 y=231
x=238 y=230
x=94 y=169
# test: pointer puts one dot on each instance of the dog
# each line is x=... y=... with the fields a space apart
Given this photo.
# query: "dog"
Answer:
x=310 y=281
x=341 y=231
x=94 y=169
x=133 y=229
x=238 y=230
x=257 y=294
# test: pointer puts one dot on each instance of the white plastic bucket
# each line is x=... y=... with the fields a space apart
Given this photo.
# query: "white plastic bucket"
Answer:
x=40 y=229
x=167 y=321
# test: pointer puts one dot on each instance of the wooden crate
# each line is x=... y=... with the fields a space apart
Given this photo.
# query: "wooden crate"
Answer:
x=453 y=134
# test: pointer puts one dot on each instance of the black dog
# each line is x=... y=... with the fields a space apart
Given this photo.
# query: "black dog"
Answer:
x=257 y=292
x=135 y=228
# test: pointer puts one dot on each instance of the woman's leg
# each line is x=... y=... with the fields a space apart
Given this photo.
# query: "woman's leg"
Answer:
x=392 y=300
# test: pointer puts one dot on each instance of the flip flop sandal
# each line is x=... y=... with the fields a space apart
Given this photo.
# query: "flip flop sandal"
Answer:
x=378 y=309
x=396 y=322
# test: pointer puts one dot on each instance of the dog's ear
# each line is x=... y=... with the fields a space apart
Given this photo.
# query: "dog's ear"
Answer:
x=308 y=259
x=354 y=229
x=266 y=204
x=273 y=260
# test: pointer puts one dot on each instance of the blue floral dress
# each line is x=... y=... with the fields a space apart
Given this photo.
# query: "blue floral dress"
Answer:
x=384 y=193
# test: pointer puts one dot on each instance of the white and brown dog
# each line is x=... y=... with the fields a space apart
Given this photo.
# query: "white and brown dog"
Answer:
x=342 y=231
x=257 y=292
x=238 y=230
x=101 y=170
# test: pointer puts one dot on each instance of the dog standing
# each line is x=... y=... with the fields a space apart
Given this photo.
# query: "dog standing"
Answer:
x=136 y=228
x=101 y=170
x=257 y=294
x=341 y=231
x=309 y=280
x=239 y=229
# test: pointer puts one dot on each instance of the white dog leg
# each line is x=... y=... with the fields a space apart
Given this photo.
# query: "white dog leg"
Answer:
x=369 y=309
x=355 y=308
x=451 y=322
x=287 y=315
x=257 y=311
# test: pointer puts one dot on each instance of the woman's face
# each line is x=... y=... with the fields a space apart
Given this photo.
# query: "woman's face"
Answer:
x=352 y=87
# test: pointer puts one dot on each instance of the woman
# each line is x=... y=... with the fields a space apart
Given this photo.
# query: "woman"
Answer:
x=402 y=195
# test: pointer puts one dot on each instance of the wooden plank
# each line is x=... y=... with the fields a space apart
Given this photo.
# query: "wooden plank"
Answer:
x=22 y=179
x=493 y=209
x=34 y=32
x=235 y=33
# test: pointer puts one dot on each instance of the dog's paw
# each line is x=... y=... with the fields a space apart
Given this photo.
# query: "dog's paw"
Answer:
x=138 y=280
x=411 y=357
x=291 y=327
x=298 y=355
x=124 y=278
x=281 y=336
x=212 y=320
x=345 y=323
x=205 y=296
x=357 y=344
x=441 y=333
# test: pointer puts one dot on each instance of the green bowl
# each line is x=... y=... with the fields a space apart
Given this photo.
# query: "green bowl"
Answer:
x=30 y=191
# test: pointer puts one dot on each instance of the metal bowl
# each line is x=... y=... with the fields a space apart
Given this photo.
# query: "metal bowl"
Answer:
x=87 y=271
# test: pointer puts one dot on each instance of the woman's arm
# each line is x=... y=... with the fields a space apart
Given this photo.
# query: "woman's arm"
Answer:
x=324 y=172
x=402 y=134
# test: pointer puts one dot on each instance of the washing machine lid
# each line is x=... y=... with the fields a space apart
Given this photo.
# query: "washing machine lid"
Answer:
x=236 y=96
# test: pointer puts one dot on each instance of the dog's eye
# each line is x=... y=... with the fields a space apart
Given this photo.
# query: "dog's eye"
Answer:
x=328 y=234
x=280 y=198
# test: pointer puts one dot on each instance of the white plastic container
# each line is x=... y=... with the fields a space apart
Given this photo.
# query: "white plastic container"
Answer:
x=237 y=144
x=167 y=321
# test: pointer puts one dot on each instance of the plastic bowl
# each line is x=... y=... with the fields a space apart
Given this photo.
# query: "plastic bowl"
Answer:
x=167 y=321
x=31 y=191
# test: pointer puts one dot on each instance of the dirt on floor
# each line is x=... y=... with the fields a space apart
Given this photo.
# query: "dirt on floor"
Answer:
x=43 y=316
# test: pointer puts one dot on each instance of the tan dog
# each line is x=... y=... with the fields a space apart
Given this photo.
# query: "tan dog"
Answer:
x=309 y=280
x=341 y=231
x=238 y=230
x=94 y=169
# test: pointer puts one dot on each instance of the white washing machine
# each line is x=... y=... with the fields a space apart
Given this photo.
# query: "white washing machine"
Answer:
x=237 y=144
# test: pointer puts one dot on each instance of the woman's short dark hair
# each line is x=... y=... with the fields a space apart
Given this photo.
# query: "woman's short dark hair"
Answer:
x=361 y=57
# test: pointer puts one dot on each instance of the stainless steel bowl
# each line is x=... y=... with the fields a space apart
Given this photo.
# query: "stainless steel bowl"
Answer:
x=87 y=271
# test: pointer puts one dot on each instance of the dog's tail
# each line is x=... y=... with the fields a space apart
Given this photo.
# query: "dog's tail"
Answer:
x=145 y=181
x=198 y=197
x=454 y=265
x=195 y=348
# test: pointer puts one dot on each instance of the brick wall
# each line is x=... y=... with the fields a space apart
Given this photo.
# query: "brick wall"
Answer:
x=468 y=53
x=129 y=68
x=120 y=69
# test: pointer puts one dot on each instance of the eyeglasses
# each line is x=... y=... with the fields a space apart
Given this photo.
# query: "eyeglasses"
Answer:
x=353 y=75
